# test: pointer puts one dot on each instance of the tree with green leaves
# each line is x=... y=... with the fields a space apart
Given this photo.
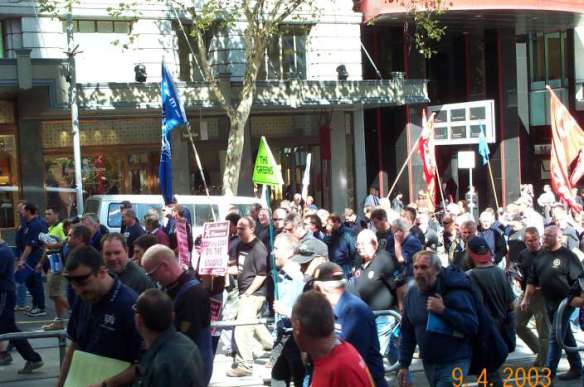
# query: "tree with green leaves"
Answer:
x=260 y=21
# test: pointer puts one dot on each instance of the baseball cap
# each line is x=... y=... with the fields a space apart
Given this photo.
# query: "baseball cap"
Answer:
x=328 y=271
x=479 y=250
x=308 y=250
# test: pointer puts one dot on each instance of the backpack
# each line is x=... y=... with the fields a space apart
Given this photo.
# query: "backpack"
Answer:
x=489 y=349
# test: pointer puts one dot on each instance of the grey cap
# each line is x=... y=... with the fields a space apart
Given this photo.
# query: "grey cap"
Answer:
x=310 y=249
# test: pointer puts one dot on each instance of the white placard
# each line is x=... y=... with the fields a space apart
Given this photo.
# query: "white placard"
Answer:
x=214 y=249
x=466 y=159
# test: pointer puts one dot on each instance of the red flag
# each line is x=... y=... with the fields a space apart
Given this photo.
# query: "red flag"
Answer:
x=567 y=147
x=427 y=154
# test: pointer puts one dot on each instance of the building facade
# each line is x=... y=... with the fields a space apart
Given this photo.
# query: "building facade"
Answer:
x=508 y=52
x=301 y=106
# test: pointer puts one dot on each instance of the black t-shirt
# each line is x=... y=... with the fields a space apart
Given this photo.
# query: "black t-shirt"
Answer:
x=555 y=272
x=251 y=261
x=192 y=310
x=494 y=288
x=374 y=283
x=523 y=263
x=516 y=246
x=382 y=239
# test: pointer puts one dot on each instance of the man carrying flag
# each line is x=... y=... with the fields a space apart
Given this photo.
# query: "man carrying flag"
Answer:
x=173 y=115
x=567 y=146
x=427 y=154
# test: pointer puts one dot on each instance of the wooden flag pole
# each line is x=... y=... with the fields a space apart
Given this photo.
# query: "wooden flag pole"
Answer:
x=493 y=183
x=441 y=191
x=404 y=166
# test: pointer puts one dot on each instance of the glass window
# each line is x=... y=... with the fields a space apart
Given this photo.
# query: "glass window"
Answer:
x=114 y=215
x=122 y=27
x=9 y=181
x=286 y=55
x=538 y=58
x=86 y=26
x=458 y=115
x=1 y=40
x=105 y=26
x=203 y=214
x=554 y=56
x=458 y=132
x=92 y=206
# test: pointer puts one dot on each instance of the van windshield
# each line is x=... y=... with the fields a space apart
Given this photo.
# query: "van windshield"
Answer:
x=114 y=215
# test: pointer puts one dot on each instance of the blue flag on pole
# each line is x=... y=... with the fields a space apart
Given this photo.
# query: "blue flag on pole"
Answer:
x=483 y=147
x=173 y=115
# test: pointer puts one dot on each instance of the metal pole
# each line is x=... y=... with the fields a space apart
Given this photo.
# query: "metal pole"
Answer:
x=74 y=111
x=471 y=203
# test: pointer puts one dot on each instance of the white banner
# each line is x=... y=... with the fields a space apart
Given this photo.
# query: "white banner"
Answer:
x=214 y=249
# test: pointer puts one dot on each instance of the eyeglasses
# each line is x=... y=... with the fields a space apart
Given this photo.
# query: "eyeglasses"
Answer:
x=79 y=280
x=278 y=219
x=151 y=272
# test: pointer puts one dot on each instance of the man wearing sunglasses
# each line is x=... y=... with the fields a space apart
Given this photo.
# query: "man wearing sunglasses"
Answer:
x=102 y=322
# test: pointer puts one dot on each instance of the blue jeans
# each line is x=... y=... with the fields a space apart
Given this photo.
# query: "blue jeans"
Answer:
x=384 y=325
x=555 y=350
x=20 y=294
x=440 y=375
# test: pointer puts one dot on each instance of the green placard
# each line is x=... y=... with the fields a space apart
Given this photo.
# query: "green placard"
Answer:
x=266 y=171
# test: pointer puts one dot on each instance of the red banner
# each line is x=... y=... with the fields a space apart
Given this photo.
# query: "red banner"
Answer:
x=428 y=155
x=567 y=155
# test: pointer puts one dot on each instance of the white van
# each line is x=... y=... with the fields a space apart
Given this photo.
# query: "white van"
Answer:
x=107 y=207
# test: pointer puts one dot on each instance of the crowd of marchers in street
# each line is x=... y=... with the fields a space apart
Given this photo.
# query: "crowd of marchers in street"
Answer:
x=464 y=283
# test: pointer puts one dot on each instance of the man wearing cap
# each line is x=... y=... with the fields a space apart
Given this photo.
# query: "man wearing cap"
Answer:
x=355 y=322
x=286 y=360
x=494 y=291
x=374 y=283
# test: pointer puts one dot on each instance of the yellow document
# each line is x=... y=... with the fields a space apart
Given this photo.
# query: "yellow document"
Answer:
x=87 y=368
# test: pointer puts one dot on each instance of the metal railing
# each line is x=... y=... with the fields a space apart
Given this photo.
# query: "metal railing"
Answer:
x=60 y=335
x=557 y=326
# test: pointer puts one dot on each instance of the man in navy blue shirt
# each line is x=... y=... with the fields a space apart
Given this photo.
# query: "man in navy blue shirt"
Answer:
x=7 y=303
x=102 y=319
x=354 y=321
x=30 y=256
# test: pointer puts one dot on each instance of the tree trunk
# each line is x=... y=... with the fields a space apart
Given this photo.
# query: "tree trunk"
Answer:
x=234 y=152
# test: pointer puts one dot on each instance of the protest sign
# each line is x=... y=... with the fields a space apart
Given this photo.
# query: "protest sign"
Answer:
x=214 y=249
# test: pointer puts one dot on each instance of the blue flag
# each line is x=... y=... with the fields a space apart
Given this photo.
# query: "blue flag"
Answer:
x=173 y=115
x=483 y=147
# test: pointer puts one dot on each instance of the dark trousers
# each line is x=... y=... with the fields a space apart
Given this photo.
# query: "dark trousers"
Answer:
x=287 y=363
x=8 y=325
x=34 y=284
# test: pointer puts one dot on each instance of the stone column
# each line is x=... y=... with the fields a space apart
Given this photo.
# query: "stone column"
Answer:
x=360 y=169
x=338 y=167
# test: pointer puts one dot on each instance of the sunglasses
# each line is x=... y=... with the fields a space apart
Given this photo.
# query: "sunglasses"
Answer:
x=79 y=279
x=150 y=273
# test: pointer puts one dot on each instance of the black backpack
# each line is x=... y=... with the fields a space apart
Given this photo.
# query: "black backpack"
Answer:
x=489 y=349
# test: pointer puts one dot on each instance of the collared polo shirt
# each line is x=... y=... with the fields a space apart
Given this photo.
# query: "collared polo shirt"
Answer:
x=106 y=328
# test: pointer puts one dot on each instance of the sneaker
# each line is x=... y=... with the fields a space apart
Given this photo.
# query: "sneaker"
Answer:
x=5 y=358
x=21 y=308
x=238 y=372
x=570 y=375
x=30 y=366
x=36 y=312
x=55 y=325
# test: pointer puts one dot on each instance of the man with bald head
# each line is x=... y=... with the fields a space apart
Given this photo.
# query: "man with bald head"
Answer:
x=191 y=299
x=554 y=271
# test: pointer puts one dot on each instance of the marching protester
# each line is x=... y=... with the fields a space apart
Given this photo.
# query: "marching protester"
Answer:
x=554 y=271
x=7 y=321
x=152 y=226
x=355 y=321
x=336 y=362
x=115 y=255
x=141 y=244
x=341 y=244
x=171 y=359
x=439 y=315
x=191 y=300
x=536 y=307
x=495 y=293
x=102 y=321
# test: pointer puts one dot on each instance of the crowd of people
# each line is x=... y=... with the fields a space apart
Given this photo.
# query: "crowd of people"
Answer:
x=458 y=278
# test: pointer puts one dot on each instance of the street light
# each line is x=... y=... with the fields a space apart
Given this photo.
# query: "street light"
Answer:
x=140 y=73
x=342 y=73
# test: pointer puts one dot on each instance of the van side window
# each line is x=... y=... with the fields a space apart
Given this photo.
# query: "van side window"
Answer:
x=114 y=215
x=203 y=214
x=142 y=210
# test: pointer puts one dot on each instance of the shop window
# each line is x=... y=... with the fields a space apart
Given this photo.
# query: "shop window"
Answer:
x=9 y=181
x=286 y=55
